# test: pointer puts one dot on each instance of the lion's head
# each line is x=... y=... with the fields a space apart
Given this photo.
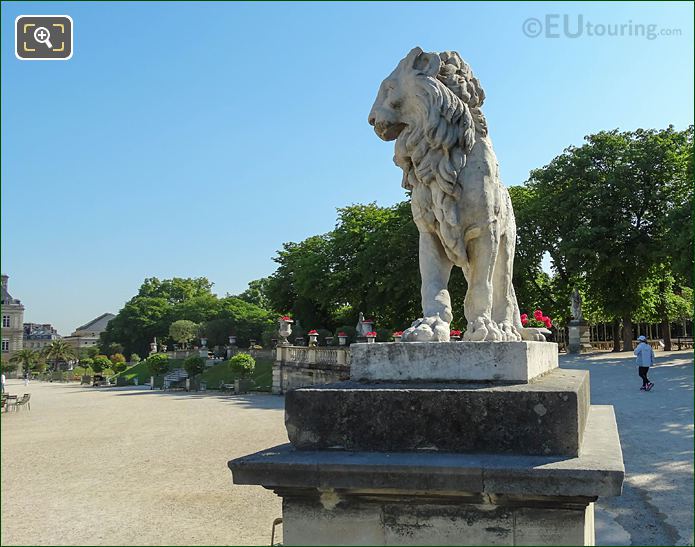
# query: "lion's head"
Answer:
x=431 y=104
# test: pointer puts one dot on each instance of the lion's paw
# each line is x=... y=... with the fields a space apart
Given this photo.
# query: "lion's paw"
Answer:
x=427 y=329
x=509 y=332
x=483 y=329
x=534 y=334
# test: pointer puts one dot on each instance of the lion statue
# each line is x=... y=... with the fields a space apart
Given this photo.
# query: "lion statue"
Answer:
x=430 y=105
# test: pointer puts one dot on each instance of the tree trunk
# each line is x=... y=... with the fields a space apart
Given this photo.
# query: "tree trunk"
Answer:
x=666 y=330
x=616 y=334
x=627 y=333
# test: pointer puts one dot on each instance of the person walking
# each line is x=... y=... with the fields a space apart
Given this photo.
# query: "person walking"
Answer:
x=644 y=358
x=2 y=378
x=26 y=377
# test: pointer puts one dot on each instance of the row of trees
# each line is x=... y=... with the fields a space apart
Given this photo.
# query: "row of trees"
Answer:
x=59 y=353
x=190 y=304
x=614 y=215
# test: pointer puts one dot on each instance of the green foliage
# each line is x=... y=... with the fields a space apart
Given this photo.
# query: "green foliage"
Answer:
x=256 y=294
x=242 y=364
x=606 y=213
x=183 y=331
x=89 y=352
x=7 y=367
x=100 y=363
x=194 y=365
x=27 y=358
x=134 y=358
x=159 y=304
x=117 y=358
x=59 y=351
x=87 y=362
x=351 y=333
x=111 y=348
x=158 y=363
x=222 y=374
x=367 y=263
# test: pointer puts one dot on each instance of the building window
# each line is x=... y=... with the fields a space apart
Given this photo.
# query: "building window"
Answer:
x=5 y=321
x=5 y=344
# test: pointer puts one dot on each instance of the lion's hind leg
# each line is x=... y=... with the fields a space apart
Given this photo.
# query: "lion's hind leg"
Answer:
x=504 y=306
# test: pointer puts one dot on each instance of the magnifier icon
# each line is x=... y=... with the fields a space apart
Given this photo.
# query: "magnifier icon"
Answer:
x=43 y=36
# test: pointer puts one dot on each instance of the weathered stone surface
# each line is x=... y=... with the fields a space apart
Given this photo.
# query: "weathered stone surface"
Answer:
x=355 y=520
x=544 y=417
x=469 y=361
x=597 y=471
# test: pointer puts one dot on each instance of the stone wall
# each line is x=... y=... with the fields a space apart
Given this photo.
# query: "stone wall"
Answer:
x=305 y=366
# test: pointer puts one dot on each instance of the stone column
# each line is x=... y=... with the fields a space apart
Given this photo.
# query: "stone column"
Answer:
x=579 y=337
x=450 y=443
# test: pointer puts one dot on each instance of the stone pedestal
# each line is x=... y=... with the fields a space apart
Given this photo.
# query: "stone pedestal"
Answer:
x=466 y=461
x=579 y=340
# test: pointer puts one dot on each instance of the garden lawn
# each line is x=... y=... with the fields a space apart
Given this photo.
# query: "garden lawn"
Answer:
x=222 y=374
x=142 y=372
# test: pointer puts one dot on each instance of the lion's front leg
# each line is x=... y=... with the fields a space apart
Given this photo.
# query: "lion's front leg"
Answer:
x=482 y=256
x=435 y=269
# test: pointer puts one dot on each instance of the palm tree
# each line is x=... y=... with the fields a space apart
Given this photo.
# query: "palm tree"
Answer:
x=59 y=351
x=26 y=358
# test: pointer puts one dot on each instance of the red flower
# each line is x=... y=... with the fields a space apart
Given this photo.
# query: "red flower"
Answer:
x=342 y=334
x=286 y=318
x=548 y=322
x=538 y=315
x=524 y=316
x=371 y=334
x=313 y=331
x=524 y=320
x=455 y=333
x=398 y=333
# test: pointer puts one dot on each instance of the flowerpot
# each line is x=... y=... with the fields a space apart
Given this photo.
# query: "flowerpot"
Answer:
x=242 y=385
x=371 y=339
x=342 y=340
x=397 y=338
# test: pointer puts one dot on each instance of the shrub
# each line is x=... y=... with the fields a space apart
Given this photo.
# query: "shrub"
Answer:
x=243 y=364
x=117 y=358
x=194 y=365
x=100 y=363
x=158 y=363
x=134 y=358
x=383 y=335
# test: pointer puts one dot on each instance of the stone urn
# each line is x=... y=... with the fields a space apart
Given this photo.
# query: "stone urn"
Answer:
x=285 y=330
x=329 y=340
x=313 y=338
x=232 y=340
x=371 y=337
x=342 y=338
x=204 y=342
x=397 y=336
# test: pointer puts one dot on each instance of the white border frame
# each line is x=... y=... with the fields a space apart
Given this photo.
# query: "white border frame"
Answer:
x=72 y=39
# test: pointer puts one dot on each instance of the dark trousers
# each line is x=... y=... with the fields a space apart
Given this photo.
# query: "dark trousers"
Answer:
x=643 y=374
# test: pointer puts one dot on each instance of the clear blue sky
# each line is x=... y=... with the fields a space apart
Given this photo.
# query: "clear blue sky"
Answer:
x=193 y=139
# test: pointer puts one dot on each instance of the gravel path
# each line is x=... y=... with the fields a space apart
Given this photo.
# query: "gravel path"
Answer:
x=123 y=466
x=126 y=466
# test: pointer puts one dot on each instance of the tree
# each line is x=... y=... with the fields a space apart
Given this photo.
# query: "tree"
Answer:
x=26 y=358
x=158 y=364
x=8 y=367
x=118 y=363
x=100 y=363
x=86 y=364
x=183 y=331
x=59 y=351
x=194 y=365
x=256 y=294
x=242 y=364
x=603 y=208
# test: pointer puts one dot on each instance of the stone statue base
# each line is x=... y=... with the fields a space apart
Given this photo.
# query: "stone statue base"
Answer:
x=579 y=337
x=460 y=462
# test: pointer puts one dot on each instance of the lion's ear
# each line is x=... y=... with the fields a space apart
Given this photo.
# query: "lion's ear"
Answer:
x=428 y=64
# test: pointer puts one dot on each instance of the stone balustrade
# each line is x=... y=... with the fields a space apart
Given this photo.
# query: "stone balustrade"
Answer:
x=297 y=366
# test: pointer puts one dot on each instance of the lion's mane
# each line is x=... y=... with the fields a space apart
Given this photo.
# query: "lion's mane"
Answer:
x=433 y=151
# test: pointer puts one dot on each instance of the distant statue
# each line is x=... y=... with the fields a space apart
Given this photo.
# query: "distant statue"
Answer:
x=576 y=302
x=431 y=106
